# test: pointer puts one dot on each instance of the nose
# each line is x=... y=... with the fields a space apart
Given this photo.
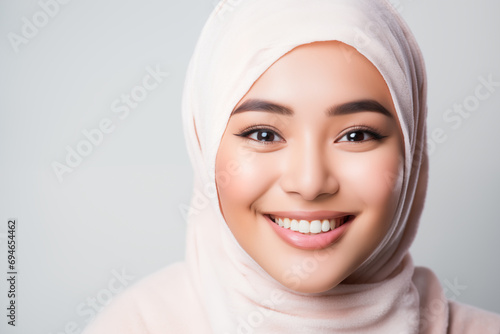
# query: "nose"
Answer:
x=309 y=172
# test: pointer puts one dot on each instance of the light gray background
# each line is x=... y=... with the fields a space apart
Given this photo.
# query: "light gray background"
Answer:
x=119 y=210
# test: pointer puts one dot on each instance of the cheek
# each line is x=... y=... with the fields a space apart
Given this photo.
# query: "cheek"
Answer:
x=242 y=176
x=373 y=178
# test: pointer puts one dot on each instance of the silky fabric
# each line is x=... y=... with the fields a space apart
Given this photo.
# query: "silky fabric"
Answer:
x=220 y=288
x=240 y=40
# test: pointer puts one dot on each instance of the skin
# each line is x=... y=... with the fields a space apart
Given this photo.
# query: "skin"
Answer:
x=312 y=161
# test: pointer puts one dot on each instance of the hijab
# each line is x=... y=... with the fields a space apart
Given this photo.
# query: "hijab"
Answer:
x=220 y=288
x=241 y=39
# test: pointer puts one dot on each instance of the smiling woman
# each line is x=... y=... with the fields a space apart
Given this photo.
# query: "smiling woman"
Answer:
x=306 y=127
x=323 y=151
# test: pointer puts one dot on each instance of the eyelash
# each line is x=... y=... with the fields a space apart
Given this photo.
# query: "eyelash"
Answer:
x=374 y=133
x=258 y=127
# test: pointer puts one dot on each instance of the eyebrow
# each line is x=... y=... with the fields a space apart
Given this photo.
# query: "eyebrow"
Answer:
x=341 y=109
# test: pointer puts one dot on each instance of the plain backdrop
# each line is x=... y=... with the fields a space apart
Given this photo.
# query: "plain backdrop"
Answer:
x=115 y=217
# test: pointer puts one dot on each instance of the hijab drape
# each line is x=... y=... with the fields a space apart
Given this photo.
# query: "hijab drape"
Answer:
x=238 y=43
x=220 y=288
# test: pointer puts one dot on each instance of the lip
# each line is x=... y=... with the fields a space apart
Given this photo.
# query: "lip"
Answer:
x=308 y=241
x=309 y=215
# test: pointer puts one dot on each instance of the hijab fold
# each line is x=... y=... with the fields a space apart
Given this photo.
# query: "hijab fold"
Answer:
x=240 y=40
x=220 y=289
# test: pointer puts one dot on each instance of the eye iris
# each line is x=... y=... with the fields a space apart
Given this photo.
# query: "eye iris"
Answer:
x=265 y=136
x=356 y=136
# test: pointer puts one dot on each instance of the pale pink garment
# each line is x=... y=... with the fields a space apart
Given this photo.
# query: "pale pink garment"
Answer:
x=220 y=288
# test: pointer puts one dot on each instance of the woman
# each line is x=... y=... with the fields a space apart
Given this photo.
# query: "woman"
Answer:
x=305 y=124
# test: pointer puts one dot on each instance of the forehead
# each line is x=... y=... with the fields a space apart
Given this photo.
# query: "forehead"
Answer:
x=303 y=77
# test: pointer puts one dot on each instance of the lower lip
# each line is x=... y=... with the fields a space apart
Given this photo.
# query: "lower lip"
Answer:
x=309 y=241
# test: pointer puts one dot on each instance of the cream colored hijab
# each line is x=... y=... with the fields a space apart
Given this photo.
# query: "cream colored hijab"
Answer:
x=220 y=289
x=240 y=40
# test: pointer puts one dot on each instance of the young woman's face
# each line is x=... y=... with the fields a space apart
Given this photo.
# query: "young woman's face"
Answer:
x=315 y=153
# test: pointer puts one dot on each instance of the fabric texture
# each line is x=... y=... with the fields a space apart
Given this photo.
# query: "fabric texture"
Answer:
x=220 y=288
x=165 y=302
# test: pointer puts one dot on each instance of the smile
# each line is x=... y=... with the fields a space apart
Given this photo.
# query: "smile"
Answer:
x=307 y=230
x=310 y=227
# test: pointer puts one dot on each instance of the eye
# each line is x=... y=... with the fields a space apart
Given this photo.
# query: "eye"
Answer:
x=360 y=135
x=263 y=135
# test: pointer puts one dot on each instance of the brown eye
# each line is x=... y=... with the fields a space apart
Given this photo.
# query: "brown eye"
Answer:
x=262 y=135
x=358 y=136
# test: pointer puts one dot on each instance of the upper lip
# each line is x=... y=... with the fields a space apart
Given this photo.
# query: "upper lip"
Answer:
x=309 y=215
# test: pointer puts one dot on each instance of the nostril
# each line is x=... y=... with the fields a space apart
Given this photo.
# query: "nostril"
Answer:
x=308 y=174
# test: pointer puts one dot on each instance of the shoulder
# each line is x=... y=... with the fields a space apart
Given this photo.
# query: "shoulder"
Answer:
x=462 y=319
x=162 y=302
x=468 y=319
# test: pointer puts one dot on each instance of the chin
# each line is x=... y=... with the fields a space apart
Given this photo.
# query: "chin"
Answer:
x=315 y=287
x=317 y=281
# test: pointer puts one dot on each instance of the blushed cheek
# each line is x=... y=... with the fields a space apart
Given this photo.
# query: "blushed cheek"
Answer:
x=242 y=177
x=253 y=181
x=374 y=179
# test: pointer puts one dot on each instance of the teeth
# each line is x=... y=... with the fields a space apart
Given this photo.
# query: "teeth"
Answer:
x=326 y=225
x=316 y=226
x=304 y=226
x=309 y=227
